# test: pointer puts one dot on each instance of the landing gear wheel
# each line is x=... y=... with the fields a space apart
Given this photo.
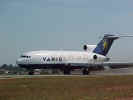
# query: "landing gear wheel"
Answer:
x=86 y=71
x=67 y=71
x=31 y=72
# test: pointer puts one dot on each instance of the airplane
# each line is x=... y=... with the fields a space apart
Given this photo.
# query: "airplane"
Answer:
x=94 y=57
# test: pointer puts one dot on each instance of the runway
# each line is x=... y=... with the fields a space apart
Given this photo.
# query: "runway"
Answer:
x=108 y=72
x=122 y=71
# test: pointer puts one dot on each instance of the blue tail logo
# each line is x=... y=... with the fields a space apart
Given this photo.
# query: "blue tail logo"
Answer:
x=105 y=44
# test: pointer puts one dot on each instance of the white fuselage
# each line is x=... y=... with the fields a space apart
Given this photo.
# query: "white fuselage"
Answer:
x=59 y=57
x=92 y=58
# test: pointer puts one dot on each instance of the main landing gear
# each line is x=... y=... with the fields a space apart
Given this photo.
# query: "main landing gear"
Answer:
x=86 y=71
x=66 y=71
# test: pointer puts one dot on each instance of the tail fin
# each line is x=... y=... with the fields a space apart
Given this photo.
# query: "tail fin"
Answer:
x=105 y=44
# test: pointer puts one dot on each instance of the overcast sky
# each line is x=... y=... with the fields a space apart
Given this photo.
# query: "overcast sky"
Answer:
x=27 y=25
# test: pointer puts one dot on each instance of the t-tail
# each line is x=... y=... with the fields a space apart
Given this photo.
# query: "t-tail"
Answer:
x=105 y=44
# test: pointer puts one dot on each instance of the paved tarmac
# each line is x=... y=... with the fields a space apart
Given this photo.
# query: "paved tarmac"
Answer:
x=123 y=71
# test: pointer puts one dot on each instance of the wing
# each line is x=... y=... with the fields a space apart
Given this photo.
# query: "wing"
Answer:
x=118 y=64
x=109 y=64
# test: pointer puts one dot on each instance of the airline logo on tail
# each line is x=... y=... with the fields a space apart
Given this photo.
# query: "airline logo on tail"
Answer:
x=105 y=45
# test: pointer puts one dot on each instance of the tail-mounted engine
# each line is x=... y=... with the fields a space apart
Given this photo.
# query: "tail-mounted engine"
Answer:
x=89 y=47
x=95 y=57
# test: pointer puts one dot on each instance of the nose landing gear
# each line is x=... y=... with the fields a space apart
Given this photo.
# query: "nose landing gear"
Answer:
x=31 y=72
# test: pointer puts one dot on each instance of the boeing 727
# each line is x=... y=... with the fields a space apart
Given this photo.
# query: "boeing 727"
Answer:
x=94 y=57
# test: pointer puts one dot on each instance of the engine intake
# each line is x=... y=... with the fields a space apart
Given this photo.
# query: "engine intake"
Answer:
x=95 y=57
x=89 y=47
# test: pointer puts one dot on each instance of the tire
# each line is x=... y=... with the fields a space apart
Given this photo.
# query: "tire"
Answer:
x=86 y=71
x=31 y=73
x=67 y=71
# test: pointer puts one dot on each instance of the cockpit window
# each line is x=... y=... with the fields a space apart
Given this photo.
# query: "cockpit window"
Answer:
x=23 y=56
